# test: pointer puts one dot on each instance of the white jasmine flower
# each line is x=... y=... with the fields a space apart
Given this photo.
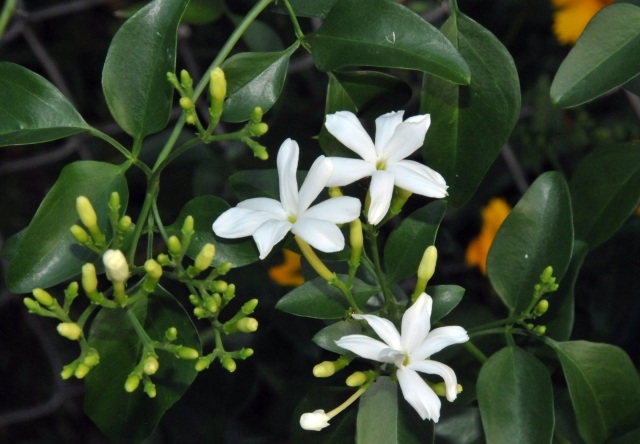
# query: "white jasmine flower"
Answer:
x=316 y=420
x=269 y=220
x=409 y=351
x=383 y=159
x=115 y=266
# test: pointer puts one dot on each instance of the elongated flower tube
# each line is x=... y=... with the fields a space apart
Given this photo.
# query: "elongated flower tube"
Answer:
x=269 y=220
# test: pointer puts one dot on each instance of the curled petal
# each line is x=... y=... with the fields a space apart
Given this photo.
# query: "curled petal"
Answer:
x=316 y=421
x=438 y=339
x=239 y=222
x=287 y=166
x=383 y=328
x=385 y=126
x=338 y=210
x=314 y=183
x=265 y=204
x=440 y=369
x=366 y=347
x=269 y=234
x=381 y=191
x=408 y=137
x=346 y=127
x=320 y=234
x=418 y=394
x=346 y=171
x=416 y=323
x=417 y=178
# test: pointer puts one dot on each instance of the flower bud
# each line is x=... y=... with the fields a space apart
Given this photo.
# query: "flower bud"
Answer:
x=427 y=266
x=218 y=286
x=230 y=293
x=187 y=226
x=115 y=266
x=200 y=312
x=132 y=383
x=150 y=388
x=89 y=280
x=70 y=330
x=356 y=379
x=228 y=364
x=540 y=330
x=355 y=238
x=249 y=306
x=247 y=325
x=224 y=268
x=43 y=297
x=541 y=307
x=316 y=420
x=217 y=87
x=79 y=234
x=259 y=151
x=150 y=365
x=72 y=290
x=324 y=369
x=68 y=370
x=124 y=224
x=82 y=370
x=174 y=245
x=205 y=257
x=171 y=334
x=32 y=305
x=259 y=129
x=92 y=358
x=185 y=78
x=186 y=103
x=187 y=353
x=153 y=269
x=114 y=202
x=163 y=259
x=256 y=114
x=246 y=352
x=202 y=364
x=210 y=303
x=190 y=119
x=547 y=274
x=87 y=213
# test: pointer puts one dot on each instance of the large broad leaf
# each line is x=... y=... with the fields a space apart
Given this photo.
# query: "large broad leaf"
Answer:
x=327 y=337
x=118 y=413
x=515 y=398
x=134 y=77
x=259 y=183
x=32 y=110
x=605 y=57
x=47 y=254
x=605 y=190
x=307 y=8
x=385 y=417
x=537 y=233
x=254 y=79
x=445 y=298
x=317 y=299
x=470 y=124
x=604 y=388
x=406 y=244
x=205 y=210
x=384 y=33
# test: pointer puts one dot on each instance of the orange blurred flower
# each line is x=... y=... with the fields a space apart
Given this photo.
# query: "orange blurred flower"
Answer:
x=493 y=215
x=571 y=17
x=289 y=273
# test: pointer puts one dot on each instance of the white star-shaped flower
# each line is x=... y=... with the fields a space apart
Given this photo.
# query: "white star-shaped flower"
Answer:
x=384 y=159
x=410 y=352
x=269 y=220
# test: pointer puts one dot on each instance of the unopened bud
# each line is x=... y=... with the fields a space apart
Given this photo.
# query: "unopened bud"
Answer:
x=540 y=330
x=171 y=334
x=230 y=293
x=185 y=78
x=72 y=290
x=324 y=369
x=249 y=306
x=218 y=286
x=89 y=279
x=174 y=245
x=224 y=268
x=356 y=379
x=205 y=257
x=87 y=213
x=151 y=365
x=92 y=358
x=150 y=388
x=259 y=129
x=132 y=383
x=186 y=103
x=200 y=312
x=79 y=234
x=114 y=202
x=202 y=364
x=68 y=370
x=210 y=303
x=229 y=364
x=247 y=325
x=187 y=353
x=190 y=119
x=82 y=370
x=335 y=192
x=115 y=266
x=163 y=259
x=32 y=305
x=260 y=151
x=70 y=330
x=547 y=274
x=246 y=352
x=217 y=86
x=256 y=114
x=124 y=224
x=43 y=297
x=541 y=307
x=427 y=266
x=153 y=269
x=187 y=226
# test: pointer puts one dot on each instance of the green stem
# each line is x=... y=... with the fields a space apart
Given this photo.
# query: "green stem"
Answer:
x=85 y=314
x=476 y=352
x=152 y=193
x=8 y=10
x=389 y=299
x=296 y=26
x=144 y=337
x=499 y=323
x=156 y=216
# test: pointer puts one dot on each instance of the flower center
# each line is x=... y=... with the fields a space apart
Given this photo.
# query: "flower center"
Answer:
x=406 y=360
x=381 y=164
x=292 y=218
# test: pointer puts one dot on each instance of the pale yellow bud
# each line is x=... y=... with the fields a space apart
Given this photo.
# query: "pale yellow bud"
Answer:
x=86 y=212
x=427 y=266
x=153 y=269
x=229 y=364
x=132 y=383
x=217 y=85
x=356 y=379
x=151 y=365
x=187 y=353
x=247 y=325
x=79 y=234
x=82 y=370
x=324 y=369
x=70 y=330
x=115 y=266
x=89 y=279
x=205 y=257
x=174 y=245
x=43 y=297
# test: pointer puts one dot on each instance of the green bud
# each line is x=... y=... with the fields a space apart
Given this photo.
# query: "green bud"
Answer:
x=205 y=257
x=200 y=312
x=92 y=358
x=86 y=212
x=547 y=274
x=195 y=300
x=124 y=224
x=246 y=352
x=32 y=306
x=70 y=330
x=72 y=290
x=324 y=369
x=187 y=226
x=171 y=334
x=68 y=370
x=163 y=259
x=356 y=240
x=150 y=365
x=79 y=234
x=43 y=297
x=224 y=268
x=356 y=379
x=230 y=293
x=187 y=353
x=256 y=114
x=82 y=370
x=202 y=364
x=259 y=129
x=541 y=307
x=174 y=245
x=190 y=119
x=229 y=364
x=210 y=303
x=186 y=103
x=260 y=151
x=89 y=279
x=132 y=383
x=218 y=286
x=114 y=202
x=153 y=269
x=150 y=388
x=185 y=78
x=247 y=325
x=249 y=306
x=540 y=330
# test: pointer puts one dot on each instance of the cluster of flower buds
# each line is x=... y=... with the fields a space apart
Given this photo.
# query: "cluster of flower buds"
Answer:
x=539 y=306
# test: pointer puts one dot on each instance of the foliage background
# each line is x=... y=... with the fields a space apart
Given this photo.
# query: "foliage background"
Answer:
x=66 y=41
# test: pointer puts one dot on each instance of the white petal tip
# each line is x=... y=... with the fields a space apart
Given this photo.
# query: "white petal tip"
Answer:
x=315 y=421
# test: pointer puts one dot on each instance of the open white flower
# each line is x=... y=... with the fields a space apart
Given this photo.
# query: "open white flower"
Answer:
x=384 y=160
x=410 y=352
x=269 y=220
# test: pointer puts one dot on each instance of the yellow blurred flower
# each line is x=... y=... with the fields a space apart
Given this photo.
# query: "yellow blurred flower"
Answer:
x=289 y=273
x=571 y=17
x=493 y=215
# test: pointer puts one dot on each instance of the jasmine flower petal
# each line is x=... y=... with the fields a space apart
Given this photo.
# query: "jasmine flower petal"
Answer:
x=338 y=210
x=419 y=179
x=240 y=222
x=438 y=339
x=316 y=420
x=407 y=138
x=384 y=328
x=347 y=171
x=264 y=204
x=416 y=324
x=381 y=191
x=314 y=183
x=346 y=127
x=385 y=127
x=320 y=234
x=269 y=234
x=418 y=394
x=365 y=347
x=440 y=369
x=287 y=165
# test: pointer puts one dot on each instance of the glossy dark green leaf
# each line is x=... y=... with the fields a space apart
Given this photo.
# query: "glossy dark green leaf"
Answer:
x=32 y=110
x=317 y=299
x=201 y=12
x=134 y=77
x=47 y=254
x=118 y=413
x=604 y=388
x=386 y=34
x=445 y=298
x=605 y=190
x=604 y=57
x=515 y=398
x=327 y=337
x=259 y=183
x=405 y=247
x=632 y=437
x=254 y=79
x=470 y=124
x=537 y=233
x=205 y=210
x=385 y=417
x=633 y=85
x=559 y=319
x=307 y=8
x=259 y=36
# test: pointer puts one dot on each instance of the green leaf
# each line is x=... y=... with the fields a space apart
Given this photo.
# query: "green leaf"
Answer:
x=254 y=79
x=604 y=57
x=259 y=36
x=317 y=299
x=604 y=388
x=515 y=398
x=537 y=233
x=259 y=183
x=307 y=8
x=632 y=437
x=405 y=247
x=327 y=337
x=445 y=298
x=205 y=210
x=120 y=414
x=47 y=254
x=559 y=319
x=633 y=85
x=134 y=77
x=383 y=33
x=32 y=110
x=201 y=12
x=605 y=190
x=470 y=124
x=385 y=417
